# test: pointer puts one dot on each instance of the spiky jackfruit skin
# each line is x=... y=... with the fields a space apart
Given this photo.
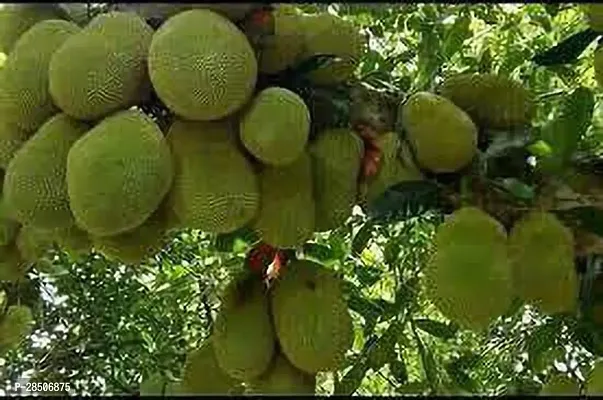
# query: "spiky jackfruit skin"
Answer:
x=35 y=186
x=594 y=380
x=469 y=276
x=442 y=135
x=336 y=158
x=594 y=16
x=598 y=65
x=284 y=47
x=202 y=375
x=13 y=267
x=492 y=101
x=33 y=244
x=103 y=68
x=11 y=139
x=15 y=326
x=135 y=246
x=542 y=251
x=560 y=386
x=243 y=337
x=283 y=378
x=215 y=187
x=326 y=34
x=202 y=66
x=16 y=19
x=276 y=126
x=396 y=166
x=118 y=173
x=287 y=209
x=311 y=317
x=25 y=100
x=8 y=226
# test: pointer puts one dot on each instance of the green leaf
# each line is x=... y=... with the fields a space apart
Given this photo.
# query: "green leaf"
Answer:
x=542 y=339
x=399 y=371
x=403 y=201
x=460 y=378
x=367 y=276
x=364 y=307
x=383 y=350
x=351 y=380
x=429 y=364
x=436 y=328
x=568 y=50
x=516 y=188
x=225 y=242
x=456 y=35
x=318 y=252
x=362 y=237
x=587 y=218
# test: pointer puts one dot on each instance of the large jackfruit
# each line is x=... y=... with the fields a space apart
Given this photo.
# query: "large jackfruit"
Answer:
x=594 y=16
x=215 y=188
x=311 y=317
x=492 y=101
x=25 y=100
x=284 y=47
x=287 y=209
x=103 y=68
x=396 y=166
x=16 y=19
x=118 y=173
x=135 y=246
x=11 y=139
x=276 y=126
x=202 y=375
x=336 y=159
x=283 y=378
x=15 y=326
x=443 y=136
x=469 y=277
x=35 y=186
x=542 y=251
x=8 y=226
x=202 y=66
x=326 y=34
x=243 y=338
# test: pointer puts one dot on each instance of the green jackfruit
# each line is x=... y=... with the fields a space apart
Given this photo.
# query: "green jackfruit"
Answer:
x=33 y=244
x=284 y=47
x=492 y=101
x=396 y=166
x=311 y=317
x=15 y=326
x=34 y=184
x=243 y=337
x=13 y=267
x=594 y=380
x=560 y=385
x=202 y=66
x=326 y=34
x=287 y=212
x=542 y=251
x=103 y=68
x=8 y=226
x=469 y=277
x=72 y=240
x=135 y=246
x=16 y=19
x=215 y=188
x=336 y=159
x=25 y=100
x=594 y=16
x=202 y=375
x=11 y=139
x=442 y=135
x=276 y=126
x=284 y=379
x=127 y=154
x=598 y=65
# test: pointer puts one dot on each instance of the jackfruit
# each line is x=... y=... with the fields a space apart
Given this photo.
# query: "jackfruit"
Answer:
x=24 y=97
x=284 y=47
x=33 y=244
x=202 y=66
x=162 y=11
x=594 y=380
x=202 y=375
x=287 y=209
x=336 y=159
x=442 y=135
x=34 y=184
x=542 y=252
x=16 y=19
x=215 y=188
x=469 y=276
x=284 y=378
x=492 y=101
x=13 y=267
x=326 y=34
x=560 y=385
x=8 y=226
x=396 y=166
x=276 y=126
x=243 y=338
x=594 y=16
x=118 y=173
x=311 y=317
x=135 y=246
x=72 y=240
x=598 y=65
x=103 y=68
x=11 y=139
x=15 y=326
